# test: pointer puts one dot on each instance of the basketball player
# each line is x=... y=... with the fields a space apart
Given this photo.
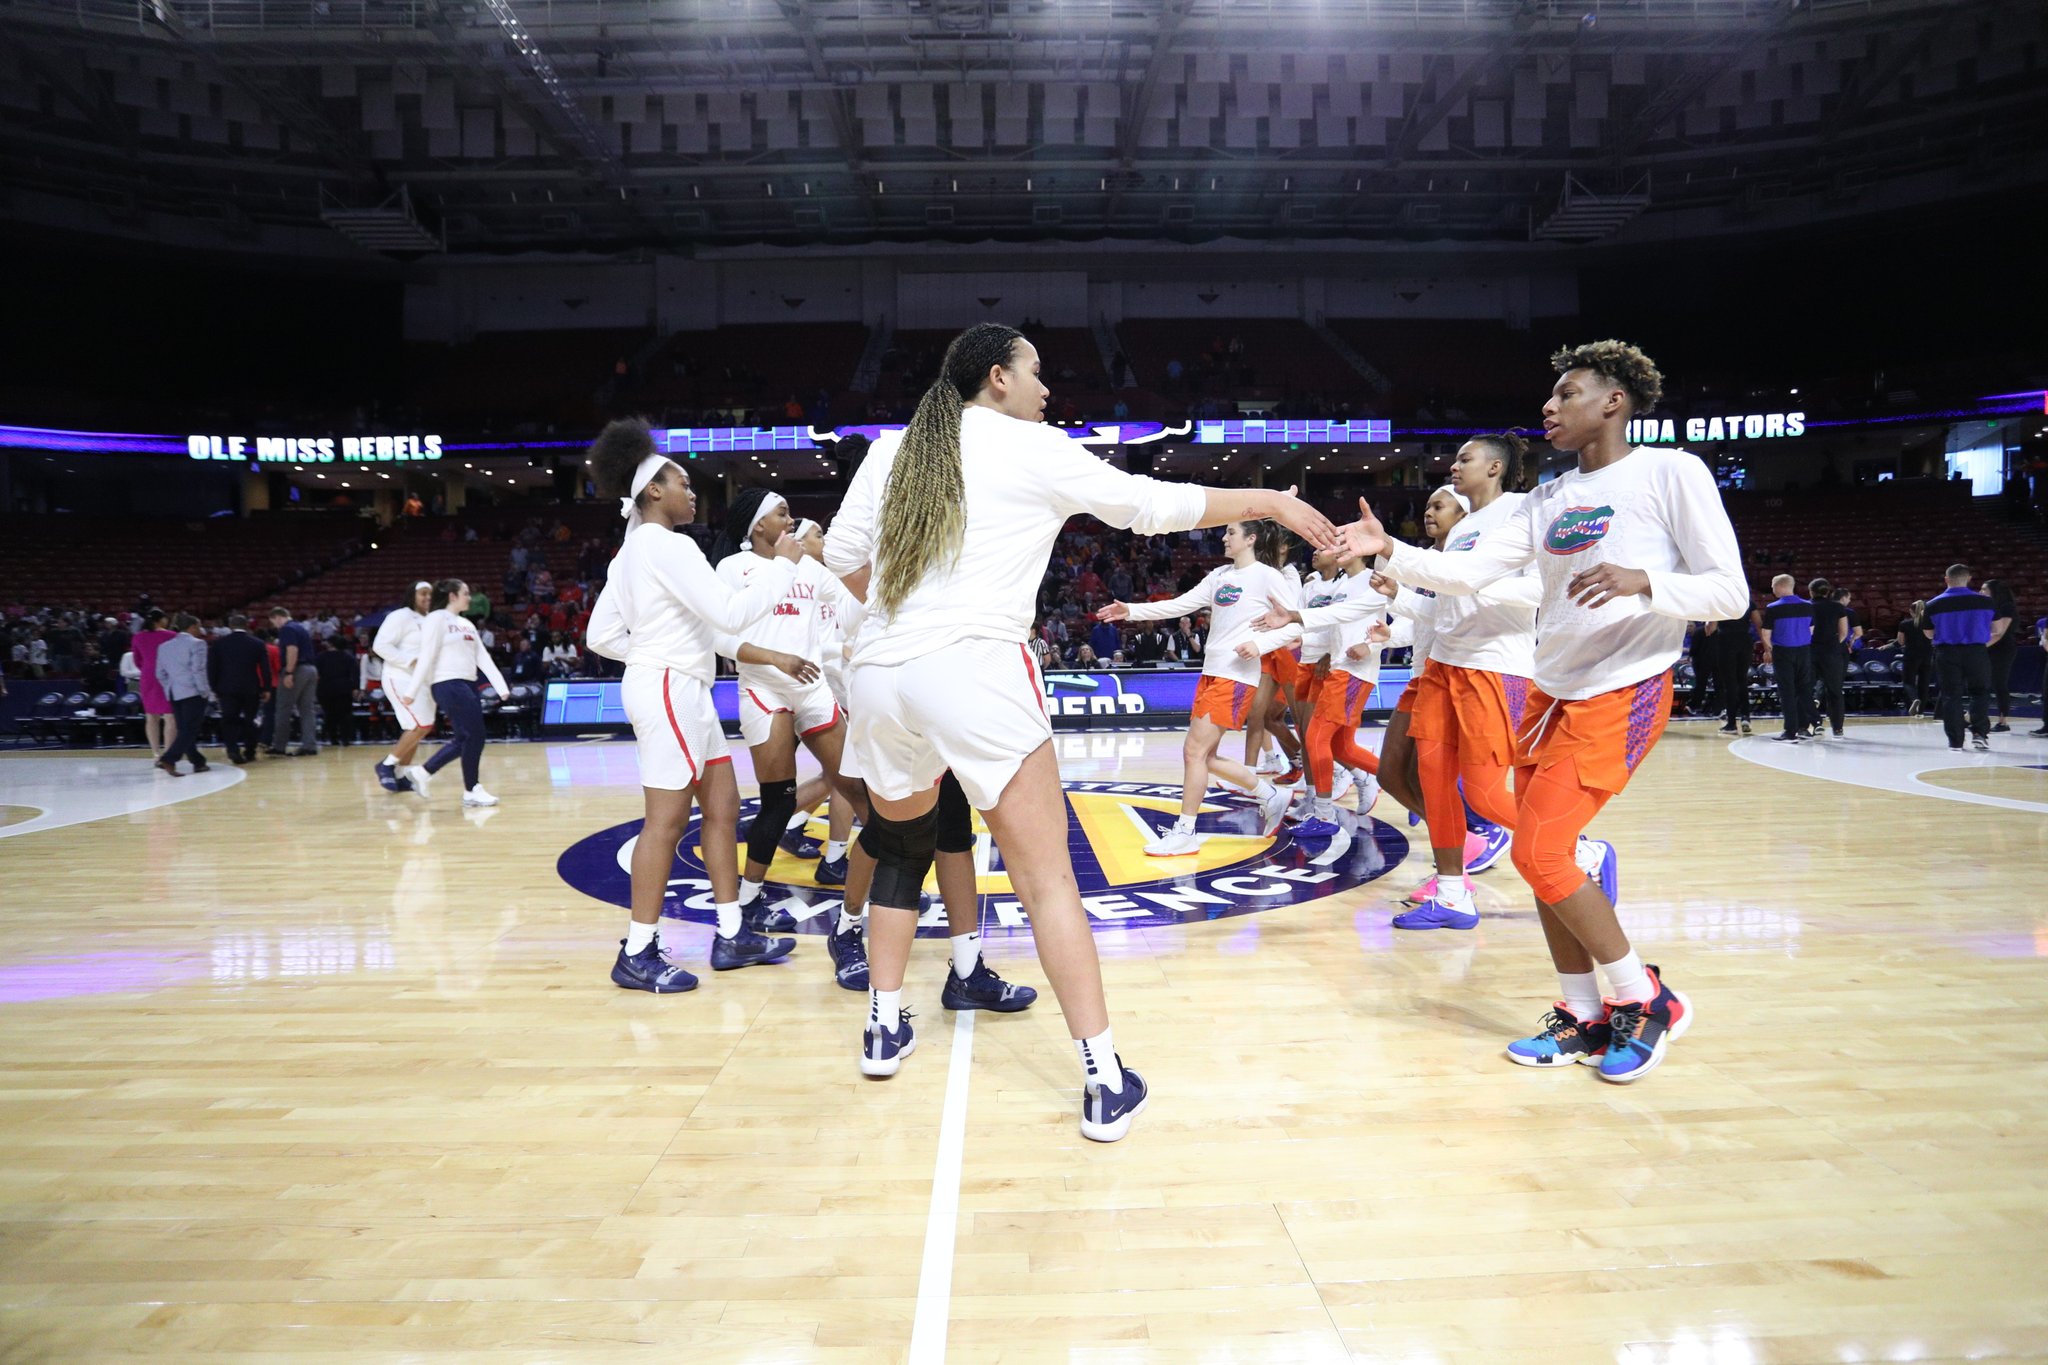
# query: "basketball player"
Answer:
x=783 y=696
x=1234 y=595
x=1352 y=650
x=661 y=611
x=398 y=645
x=946 y=532
x=1272 y=748
x=1630 y=545
x=833 y=610
x=450 y=656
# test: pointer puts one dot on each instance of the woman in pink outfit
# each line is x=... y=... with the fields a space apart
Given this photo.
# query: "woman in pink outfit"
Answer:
x=158 y=725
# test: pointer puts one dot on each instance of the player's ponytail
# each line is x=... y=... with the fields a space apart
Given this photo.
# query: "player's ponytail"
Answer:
x=924 y=505
x=1511 y=450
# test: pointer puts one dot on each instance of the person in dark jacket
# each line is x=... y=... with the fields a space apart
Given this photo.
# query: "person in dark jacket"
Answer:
x=238 y=667
x=341 y=675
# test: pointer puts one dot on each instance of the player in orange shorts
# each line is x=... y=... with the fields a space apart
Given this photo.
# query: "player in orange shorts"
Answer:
x=1235 y=596
x=1351 y=650
x=1628 y=546
x=1274 y=706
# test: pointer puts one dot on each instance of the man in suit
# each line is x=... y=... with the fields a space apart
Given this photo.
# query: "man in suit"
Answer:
x=181 y=671
x=238 y=666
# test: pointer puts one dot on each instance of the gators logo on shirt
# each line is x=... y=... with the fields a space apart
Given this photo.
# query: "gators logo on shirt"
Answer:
x=1228 y=593
x=1464 y=542
x=1576 y=528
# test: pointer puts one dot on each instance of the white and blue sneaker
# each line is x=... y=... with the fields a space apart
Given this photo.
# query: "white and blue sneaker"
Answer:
x=849 y=953
x=1497 y=843
x=763 y=918
x=882 y=1050
x=648 y=970
x=1106 y=1114
x=1598 y=860
x=982 y=989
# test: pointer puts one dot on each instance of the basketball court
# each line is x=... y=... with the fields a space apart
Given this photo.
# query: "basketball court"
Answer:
x=301 y=1068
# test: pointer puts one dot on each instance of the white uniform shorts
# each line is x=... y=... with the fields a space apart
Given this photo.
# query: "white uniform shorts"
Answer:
x=762 y=701
x=676 y=724
x=418 y=716
x=977 y=707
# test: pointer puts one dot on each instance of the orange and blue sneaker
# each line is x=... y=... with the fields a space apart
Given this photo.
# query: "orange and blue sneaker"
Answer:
x=1563 y=1040
x=1639 y=1032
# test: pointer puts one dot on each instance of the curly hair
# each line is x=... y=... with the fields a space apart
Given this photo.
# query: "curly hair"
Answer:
x=617 y=452
x=1620 y=364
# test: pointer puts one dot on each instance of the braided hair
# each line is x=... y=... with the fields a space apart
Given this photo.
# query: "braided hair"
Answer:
x=732 y=536
x=924 y=505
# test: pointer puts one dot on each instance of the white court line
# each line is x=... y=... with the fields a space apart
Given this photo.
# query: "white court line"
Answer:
x=1890 y=758
x=935 y=1276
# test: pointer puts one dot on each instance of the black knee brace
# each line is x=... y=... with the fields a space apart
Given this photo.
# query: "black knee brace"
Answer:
x=778 y=803
x=902 y=850
x=956 y=817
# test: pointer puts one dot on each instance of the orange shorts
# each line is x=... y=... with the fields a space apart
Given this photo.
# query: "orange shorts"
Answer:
x=1308 y=684
x=1225 y=702
x=1341 y=699
x=1609 y=734
x=1406 y=706
x=1477 y=711
x=1283 y=666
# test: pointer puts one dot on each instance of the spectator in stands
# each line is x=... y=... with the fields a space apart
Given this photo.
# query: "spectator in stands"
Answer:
x=1085 y=657
x=1148 y=646
x=114 y=639
x=1830 y=653
x=526 y=662
x=67 y=646
x=1788 y=648
x=413 y=506
x=1913 y=637
x=181 y=672
x=238 y=668
x=1186 y=643
x=560 y=657
x=340 y=676
x=1105 y=638
x=297 y=687
x=97 y=673
x=1960 y=622
x=2004 y=648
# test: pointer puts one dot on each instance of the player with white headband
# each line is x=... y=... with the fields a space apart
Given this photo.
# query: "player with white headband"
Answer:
x=661 y=611
x=783 y=697
x=397 y=644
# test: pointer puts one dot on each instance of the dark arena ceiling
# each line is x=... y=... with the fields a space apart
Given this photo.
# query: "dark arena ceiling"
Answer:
x=413 y=126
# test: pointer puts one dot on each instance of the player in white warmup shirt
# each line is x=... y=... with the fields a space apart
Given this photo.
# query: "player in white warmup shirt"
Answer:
x=815 y=791
x=1234 y=595
x=661 y=612
x=451 y=654
x=397 y=645
x=783 y=697
x=945 y=533
x=1629 y=546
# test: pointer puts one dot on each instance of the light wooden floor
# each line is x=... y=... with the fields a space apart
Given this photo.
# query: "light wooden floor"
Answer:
x=298 y=1070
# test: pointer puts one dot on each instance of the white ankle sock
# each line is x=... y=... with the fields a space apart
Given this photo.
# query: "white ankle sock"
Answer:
x=1626 y=979
x=749 y=891
x=885 y=1008
x=1454 y=891
x=847 y=921
x=799 y=820
x=1098 y=1061
x=1326 y=809
x=834 y=850
x=638 y=936
x=966 y=953
x=1580 y=992
x=392 y=761
x=1184 y=824
x=1263 y=790
x=728 y=918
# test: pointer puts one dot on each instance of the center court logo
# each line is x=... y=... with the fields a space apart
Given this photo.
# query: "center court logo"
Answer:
x=1576 y=528
x=1237 y=871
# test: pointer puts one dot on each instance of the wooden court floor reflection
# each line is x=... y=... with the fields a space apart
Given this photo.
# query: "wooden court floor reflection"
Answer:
x=299 y=1070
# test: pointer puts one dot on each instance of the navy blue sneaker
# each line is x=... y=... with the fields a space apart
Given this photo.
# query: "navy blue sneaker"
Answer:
x=648 y=970
x=748 y=949
x=387 y=777
x=882 y=1050
x=799 y=844
x=1638 y=1033
x=763 y=918
x=1106 y=1114
x=849 y=959
x=1564 y=1039
x=984 y=990
x=1414 y=818
x=1498 y=842
x=831 y=872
